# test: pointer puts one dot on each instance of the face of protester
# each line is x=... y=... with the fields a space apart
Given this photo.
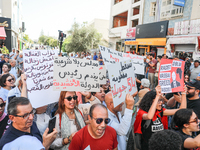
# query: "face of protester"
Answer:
x=20 y=56
x=7 y=59
x=95 y=53
x=2 y=57
x=70 y=104
x=164 y=57
x=13 y=63
x=186 y=79
x=159 y=104
x=5 y=69
x=158 y=59
x=190 y=91
x=196 y=64
x=98 y=129
x=100 y=95
x=22 y=123
x=193 y=126
x=2 y=107
x=9 y=81
x=13 y=50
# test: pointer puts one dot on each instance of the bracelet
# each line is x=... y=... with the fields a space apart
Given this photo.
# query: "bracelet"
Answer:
x=90 y=96
x=183 y=93
x=68 y=139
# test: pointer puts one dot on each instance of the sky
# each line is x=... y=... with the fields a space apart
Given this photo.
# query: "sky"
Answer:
x=53 y=15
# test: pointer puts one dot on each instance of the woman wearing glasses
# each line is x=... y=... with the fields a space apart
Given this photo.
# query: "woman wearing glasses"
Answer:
x=6 y=83
x=68 y=120
x=150 y=118
x=185 y=122
x=4 y=120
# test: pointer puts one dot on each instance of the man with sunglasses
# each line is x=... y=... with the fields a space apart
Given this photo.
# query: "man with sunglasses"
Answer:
x=119 y=123
x=193 y=100
x=21 y=113
x=96 y=135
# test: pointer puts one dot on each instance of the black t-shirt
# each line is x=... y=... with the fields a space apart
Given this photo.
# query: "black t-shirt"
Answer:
x=195 y=105
x=184 y=137
x=4 y=124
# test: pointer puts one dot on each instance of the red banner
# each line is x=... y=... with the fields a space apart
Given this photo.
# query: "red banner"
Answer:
x=171 y=75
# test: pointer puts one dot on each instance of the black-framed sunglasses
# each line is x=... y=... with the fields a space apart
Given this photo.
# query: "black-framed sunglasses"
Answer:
x=26 y=116
x=195 y=120
x=100 y=120
x=9 y=80
x=69 y=98
x=2 y=105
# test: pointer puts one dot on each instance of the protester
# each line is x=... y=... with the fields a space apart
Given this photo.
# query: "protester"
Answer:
x=151 y=109
x=21 y=113
x=4 y=120
x=2 y=62
x=100 y=59
x=96 y=134
x=20 y=61
x=6 y=68
x=95 y=57
x=157 y=69
x=152 y=68
x=165 y=140
x=12 y=54
x=68 y=120
x=119 y=123
x=13 y=70
x=185 y=122
x=186 y=78
x=6 y=83
x=100 y=96
x=195 y=71
x=164 y=56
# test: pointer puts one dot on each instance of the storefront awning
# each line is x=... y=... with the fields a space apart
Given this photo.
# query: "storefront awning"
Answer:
x=131 y=43
x=182 y=40
x=2 y=33
x=152 y=41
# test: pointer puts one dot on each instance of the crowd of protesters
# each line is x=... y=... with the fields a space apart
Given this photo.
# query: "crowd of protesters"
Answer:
x=147 y=120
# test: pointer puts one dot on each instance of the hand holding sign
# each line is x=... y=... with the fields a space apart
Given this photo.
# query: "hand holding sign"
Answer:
x=158 y=90
x=129 y=101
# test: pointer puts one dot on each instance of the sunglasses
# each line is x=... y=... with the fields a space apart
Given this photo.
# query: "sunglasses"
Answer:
x=26 y=116
x=2 y=105
x=9 y=80
x=195 y=120
x=190 y=88
x=69 y=98
x=100 y=120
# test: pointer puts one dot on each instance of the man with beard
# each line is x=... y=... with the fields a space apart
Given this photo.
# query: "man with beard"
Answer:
x=193 y=100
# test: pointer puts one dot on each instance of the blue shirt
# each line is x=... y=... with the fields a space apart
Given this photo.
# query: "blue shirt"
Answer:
x=4 y=93
x=12 y=133
x=100 y=62
x=199 y=75
x=95 y=57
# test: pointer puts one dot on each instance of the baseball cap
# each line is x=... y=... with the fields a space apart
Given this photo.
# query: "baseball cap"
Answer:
x=145 y=82
x=194 y=83
x=25 y=142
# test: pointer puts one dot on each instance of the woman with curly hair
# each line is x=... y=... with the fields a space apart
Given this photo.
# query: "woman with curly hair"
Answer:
x=68 y=120
x=150 y=115
x=185 y=121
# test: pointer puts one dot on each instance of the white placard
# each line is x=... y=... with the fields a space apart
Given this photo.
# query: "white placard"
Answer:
x=102 y=74
x=122 y=80
x=72 y=74
x=38 y=66
x=110 y=57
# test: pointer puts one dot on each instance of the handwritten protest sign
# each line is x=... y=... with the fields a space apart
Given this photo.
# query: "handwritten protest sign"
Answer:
x=71 y=74
x=122 y=80
x=171 y=75
x=102 y=74
x=38 y=66
x=111 y=57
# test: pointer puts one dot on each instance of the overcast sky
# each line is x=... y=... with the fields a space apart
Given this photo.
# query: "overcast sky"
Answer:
x=53 y=15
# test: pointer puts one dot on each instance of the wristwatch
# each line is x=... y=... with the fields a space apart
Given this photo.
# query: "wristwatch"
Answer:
x=68 y=139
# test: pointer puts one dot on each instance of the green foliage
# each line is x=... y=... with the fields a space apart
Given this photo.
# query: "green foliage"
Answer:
x=82 y=38
x=4 y=50
x=47 y=40
x=26 y=37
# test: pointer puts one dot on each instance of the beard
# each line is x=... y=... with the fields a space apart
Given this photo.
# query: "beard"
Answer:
x=190 y=95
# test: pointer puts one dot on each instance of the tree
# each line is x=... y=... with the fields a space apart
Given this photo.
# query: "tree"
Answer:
x=83 y=38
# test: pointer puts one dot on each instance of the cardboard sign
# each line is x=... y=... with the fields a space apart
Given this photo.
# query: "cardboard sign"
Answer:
x=122 y=80
x=38 y=66
x=102 y=74
x=171 y=75
x=71 y=74
x=111 y=57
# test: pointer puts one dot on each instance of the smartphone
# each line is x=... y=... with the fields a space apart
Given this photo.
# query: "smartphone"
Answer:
x=52 y=123
x=10 y=98
x=176 y=93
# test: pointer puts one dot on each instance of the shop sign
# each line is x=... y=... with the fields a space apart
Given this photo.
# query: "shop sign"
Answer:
x=131 y=33
x=179 y=3
x=4 y=24
x=152 y=30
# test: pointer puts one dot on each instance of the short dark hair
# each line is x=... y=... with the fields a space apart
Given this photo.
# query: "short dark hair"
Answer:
x=165 y=140
x=151 y=54
x=160 y=57
x=163 y=55
x=8 y=65
x=12 y=106
x=196 y=61
x=3 y=79
x=94 y=106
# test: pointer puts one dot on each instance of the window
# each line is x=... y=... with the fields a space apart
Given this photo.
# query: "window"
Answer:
x=169 y=11
x=153 y=9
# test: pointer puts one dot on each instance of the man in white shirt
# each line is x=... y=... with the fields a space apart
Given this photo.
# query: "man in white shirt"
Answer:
x=13 y=70
x=12 y=54
x=119 y=123
x=195 y=71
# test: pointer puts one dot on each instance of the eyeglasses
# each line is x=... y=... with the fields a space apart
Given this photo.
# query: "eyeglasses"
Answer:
x=160 y=100
x=100 y=120
x=2 y=105
x=26 y=116
x=195 y=120
x=9 y=80
x=69 y=98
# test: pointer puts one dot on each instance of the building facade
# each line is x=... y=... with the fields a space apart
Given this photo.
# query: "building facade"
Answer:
x=11 y=11
x=124 y=15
